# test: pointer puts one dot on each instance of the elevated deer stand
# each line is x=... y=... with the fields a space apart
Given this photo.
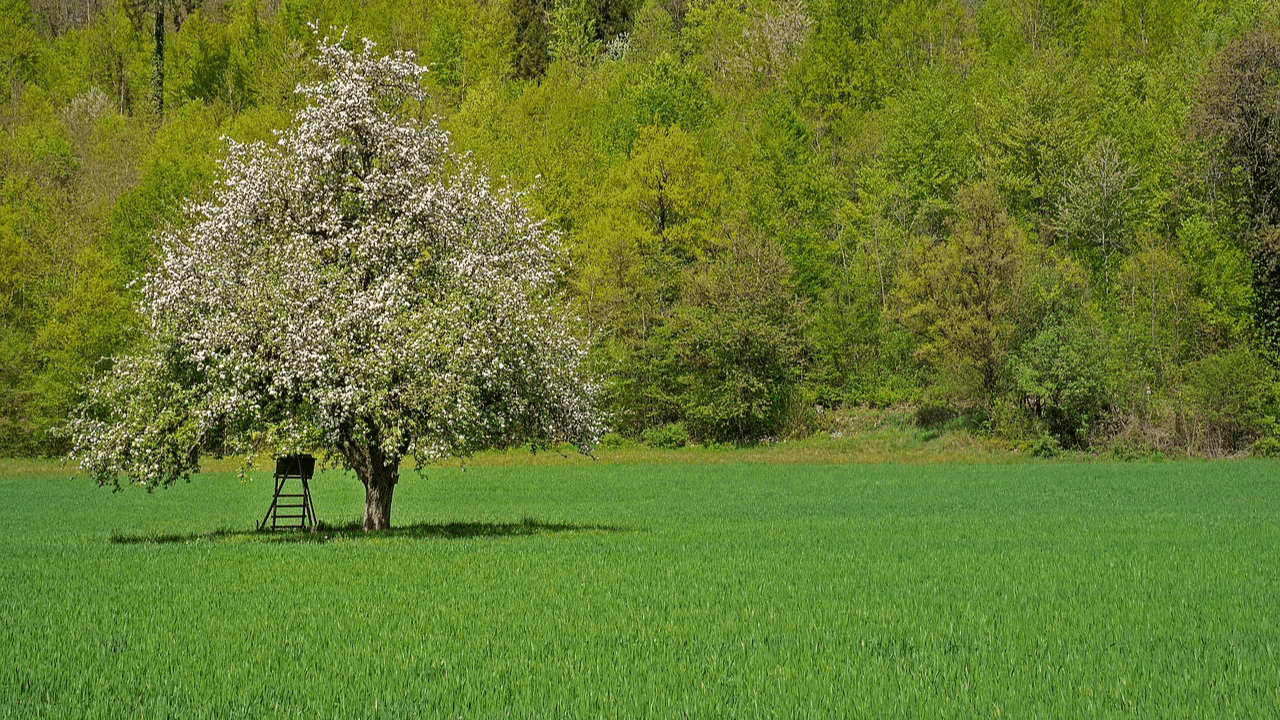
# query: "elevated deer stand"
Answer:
x=292 y=511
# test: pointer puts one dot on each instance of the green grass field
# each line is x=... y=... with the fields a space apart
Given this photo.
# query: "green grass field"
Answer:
x=697 y=590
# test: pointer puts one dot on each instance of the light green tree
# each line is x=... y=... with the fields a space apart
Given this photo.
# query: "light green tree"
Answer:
x=967 y=298
x=1096 y=206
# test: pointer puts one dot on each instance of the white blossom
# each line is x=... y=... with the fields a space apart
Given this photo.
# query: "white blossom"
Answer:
x=357 y=281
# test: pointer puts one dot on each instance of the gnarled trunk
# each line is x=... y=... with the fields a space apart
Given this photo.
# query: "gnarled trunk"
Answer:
x=377 y=498
x=379 y=474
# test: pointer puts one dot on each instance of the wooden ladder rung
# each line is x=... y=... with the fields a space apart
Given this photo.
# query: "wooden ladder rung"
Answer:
x=295 y=515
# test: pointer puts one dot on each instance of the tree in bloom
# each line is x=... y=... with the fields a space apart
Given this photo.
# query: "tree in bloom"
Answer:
x=357 y=287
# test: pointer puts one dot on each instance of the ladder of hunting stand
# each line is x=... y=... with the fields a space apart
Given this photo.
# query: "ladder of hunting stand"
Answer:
x=292 y=510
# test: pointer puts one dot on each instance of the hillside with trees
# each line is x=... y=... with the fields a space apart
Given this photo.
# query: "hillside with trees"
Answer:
x=1058 y=220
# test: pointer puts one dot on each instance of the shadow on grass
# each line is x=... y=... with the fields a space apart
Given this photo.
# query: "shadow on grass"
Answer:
x=325 y=532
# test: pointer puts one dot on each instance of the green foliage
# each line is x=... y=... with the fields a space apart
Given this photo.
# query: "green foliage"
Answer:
x=1238 y=114
x=19 y=44
x=88 y=324
x=198 y=62
x=1132 y=146
x=611 y=441
x=853 y=356
x=1127 y=29
x=44 y=153
x=736 y=346
x=1222 y=282
x=668 y=437
x=116 y=57
x=573 y=33
x=918 y=36
x=841 y=71
x=1034 y=122
x=1229 y=402
x=1267 y=447
x=672 y=93
x=671 y=190
x=569 y=31
x=694 y=332
x=1045 y=446
x=793 y=196
x=659 y=217
x=927 y=152
x=1061 y=375
x=968 y=299
x=1013 y=28
x=530 y=53
x=179 y=165
x=1155 y=323
x=1095 y=212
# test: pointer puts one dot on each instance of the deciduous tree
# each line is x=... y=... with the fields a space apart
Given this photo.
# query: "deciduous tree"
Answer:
x=1096 y=203
x=359 y=287
x=1238 y=112
x=966 y=298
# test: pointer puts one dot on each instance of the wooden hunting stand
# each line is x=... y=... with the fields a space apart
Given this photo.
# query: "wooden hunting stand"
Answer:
x=292 y=511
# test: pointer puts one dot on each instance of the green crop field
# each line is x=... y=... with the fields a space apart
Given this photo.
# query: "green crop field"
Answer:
x=603 y=590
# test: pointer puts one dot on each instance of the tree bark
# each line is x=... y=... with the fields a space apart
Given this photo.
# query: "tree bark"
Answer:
x=379 y=475
x=157 y=60
x=377 y=499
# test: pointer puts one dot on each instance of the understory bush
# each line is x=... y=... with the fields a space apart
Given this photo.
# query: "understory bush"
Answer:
x=1045 y=446
x=1060 y=378
x=1228 y=402
x=668 y=437
x=1267 y=447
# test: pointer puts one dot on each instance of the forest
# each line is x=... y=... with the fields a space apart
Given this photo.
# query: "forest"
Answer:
x=1053 y=221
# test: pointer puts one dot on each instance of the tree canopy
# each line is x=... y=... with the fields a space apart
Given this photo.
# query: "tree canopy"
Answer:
x=356 y=286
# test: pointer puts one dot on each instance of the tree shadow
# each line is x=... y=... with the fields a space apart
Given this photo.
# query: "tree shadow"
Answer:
x=325 y=533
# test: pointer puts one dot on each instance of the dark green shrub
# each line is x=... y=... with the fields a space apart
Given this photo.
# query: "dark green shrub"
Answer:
x=611 y=441
x=1267 y=447
x=1059 y=376
x=1045 y=446
x=1225 y=402
x=668 y=437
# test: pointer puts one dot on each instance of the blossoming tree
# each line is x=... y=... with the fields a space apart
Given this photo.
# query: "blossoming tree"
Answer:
x=358 y=287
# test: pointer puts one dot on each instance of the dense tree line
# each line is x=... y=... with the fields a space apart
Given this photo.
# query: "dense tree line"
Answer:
x=1056 y=219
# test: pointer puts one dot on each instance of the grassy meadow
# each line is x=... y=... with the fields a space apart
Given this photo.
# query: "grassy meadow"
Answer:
x=710 y=589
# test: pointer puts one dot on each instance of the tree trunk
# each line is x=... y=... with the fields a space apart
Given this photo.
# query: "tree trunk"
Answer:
x=157 y=60
x=379 y=475
x=377 y=499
